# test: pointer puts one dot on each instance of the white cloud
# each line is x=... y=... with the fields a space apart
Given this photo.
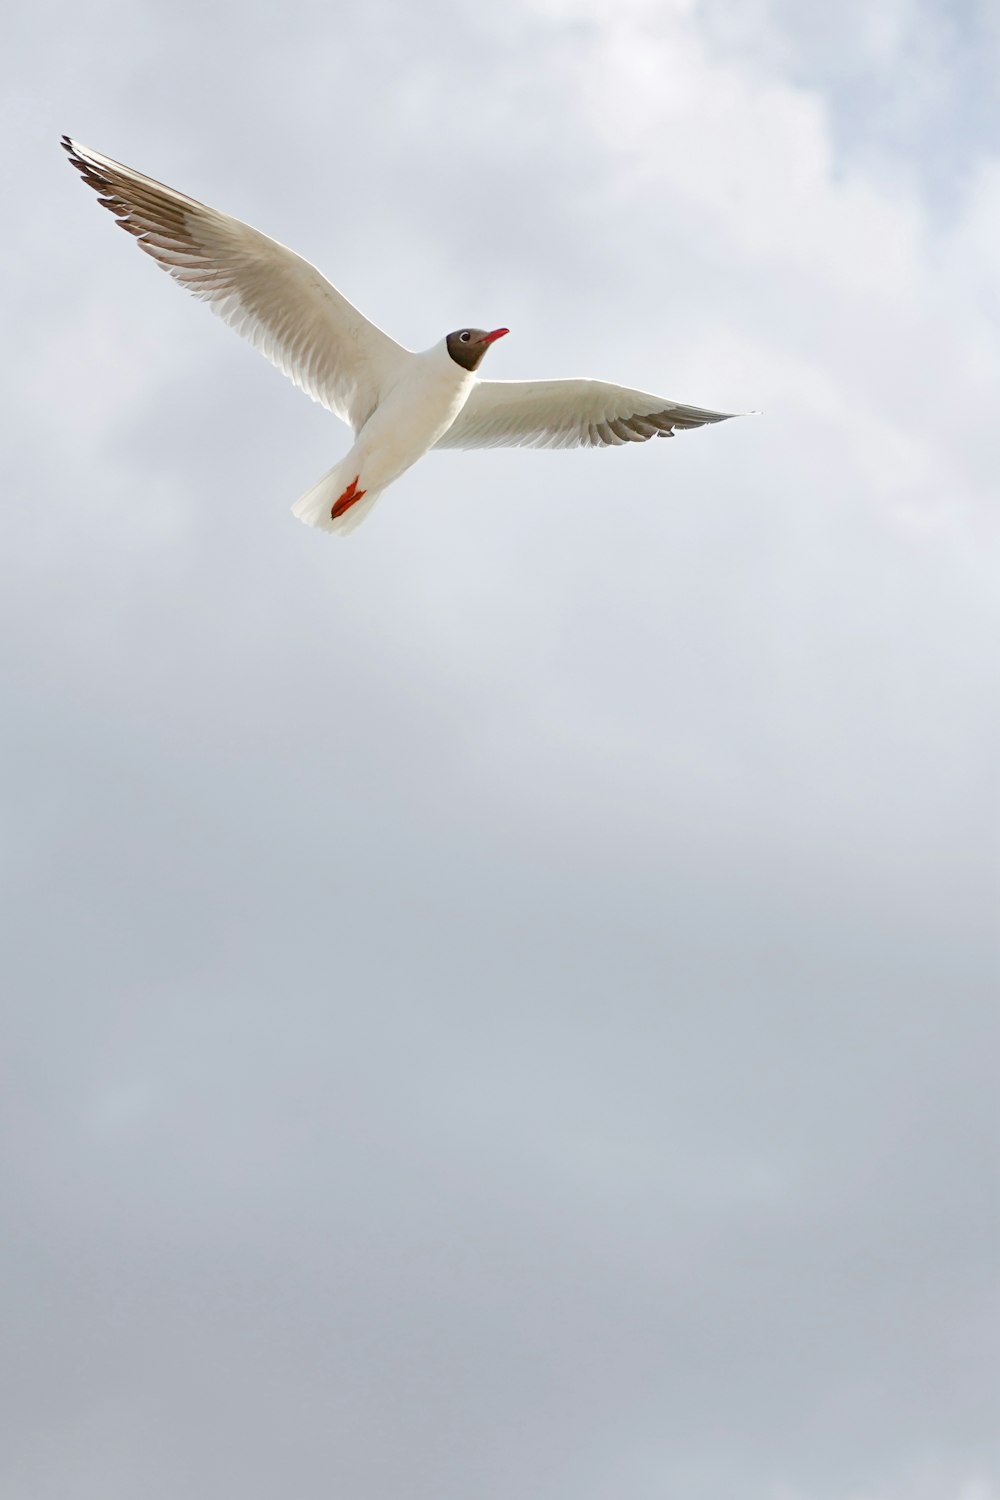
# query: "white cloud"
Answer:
x=526 y=974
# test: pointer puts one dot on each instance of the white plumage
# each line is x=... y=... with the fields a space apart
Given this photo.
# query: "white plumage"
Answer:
x=398 y=403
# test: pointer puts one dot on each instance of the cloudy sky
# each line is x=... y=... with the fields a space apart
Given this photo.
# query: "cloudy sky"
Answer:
x=504 y=1007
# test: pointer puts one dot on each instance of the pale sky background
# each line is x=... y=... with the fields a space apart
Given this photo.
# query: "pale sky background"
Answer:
x=505 y=1007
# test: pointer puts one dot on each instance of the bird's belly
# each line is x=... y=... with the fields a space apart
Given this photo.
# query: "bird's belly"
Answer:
x=403 y=428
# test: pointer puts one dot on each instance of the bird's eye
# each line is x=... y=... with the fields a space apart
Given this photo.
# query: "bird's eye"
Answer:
x=465 y=337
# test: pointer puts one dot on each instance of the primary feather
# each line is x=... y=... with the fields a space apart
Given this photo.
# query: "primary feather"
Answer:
x=567 y=414
x=270 y=295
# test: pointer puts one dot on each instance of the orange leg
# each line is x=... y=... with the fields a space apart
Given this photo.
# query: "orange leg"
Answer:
x=350 y=497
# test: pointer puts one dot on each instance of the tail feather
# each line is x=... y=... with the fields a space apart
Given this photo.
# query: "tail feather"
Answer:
x=313 y=508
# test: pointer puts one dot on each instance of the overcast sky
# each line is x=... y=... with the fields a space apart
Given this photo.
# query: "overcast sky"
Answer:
x=504 y=1006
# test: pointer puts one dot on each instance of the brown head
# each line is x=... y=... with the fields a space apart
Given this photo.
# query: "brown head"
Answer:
x=468 y=345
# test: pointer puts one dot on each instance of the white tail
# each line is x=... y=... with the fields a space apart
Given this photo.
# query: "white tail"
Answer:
x=315 y=505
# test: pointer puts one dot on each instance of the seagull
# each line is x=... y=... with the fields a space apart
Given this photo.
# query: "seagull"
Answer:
x=399 y=403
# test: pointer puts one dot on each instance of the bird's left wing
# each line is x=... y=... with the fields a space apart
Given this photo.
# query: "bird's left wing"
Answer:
x=266 y=292
x=567 y=414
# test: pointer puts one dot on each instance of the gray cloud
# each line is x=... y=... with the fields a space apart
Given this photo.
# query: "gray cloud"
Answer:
x=505 y=1005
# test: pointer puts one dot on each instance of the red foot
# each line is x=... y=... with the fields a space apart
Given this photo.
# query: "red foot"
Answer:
x=350 y=497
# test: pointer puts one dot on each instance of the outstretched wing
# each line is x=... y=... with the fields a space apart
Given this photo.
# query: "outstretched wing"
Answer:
x=567 y=414
x=269 y=294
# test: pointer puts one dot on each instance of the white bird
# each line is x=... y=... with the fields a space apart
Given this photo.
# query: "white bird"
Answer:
x=399 y=403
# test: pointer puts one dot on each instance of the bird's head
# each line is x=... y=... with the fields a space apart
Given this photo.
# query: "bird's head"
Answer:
x=468 y=345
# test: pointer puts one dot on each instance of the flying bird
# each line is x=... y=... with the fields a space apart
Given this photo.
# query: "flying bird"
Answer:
x=399 y=403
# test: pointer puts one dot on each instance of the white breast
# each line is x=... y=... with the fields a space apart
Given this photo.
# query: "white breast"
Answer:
x=414 y=413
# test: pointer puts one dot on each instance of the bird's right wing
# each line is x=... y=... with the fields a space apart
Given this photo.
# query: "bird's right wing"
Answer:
x=267 y=293
x=567 y=414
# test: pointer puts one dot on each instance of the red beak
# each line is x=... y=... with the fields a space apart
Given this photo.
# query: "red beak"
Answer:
x=490 y=338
